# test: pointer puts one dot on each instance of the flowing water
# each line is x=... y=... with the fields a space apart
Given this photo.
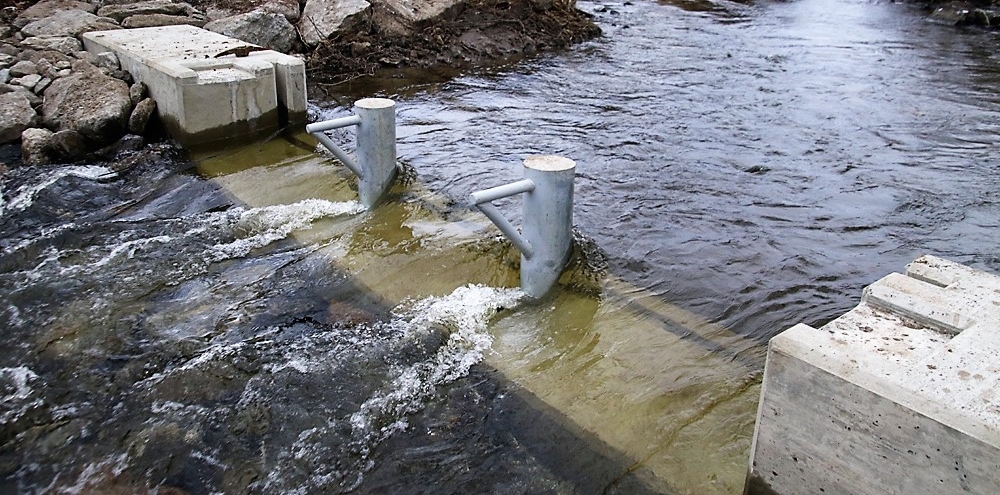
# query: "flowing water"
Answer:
x=239 y=324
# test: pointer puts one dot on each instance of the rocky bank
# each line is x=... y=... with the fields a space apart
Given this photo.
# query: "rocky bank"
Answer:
x=60 y=103
x=978 y=13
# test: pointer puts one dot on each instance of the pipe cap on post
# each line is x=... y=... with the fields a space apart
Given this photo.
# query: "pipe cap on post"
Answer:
x=549 y=163
x=374 y=103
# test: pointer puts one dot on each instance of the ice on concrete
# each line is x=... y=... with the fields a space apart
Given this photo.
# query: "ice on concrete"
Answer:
x=205 y=87
x=899 y=395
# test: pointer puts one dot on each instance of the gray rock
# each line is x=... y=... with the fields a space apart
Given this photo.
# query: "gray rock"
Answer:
x=68 y=144
x=322 y=18
x=260 y=28
x=137 y=92
x=29 y=81
x=36 y=55
x=288 y=8
x=88 y=102
x=86 y=57
x=61 y=44
x=109 y=60
x=63 y=73
x=6 y=60
x=8 y=49
x=68 y=23
x=141 y=115
x=42 y=85
x=45 y=68
x=16 y=115
x=4 y=76
x=157 y=20
x=128 y=144
x=47 y=8
x=412 y=12
x=36 y=146
x=63 y=64
x=33 y=99
x=977 y=17
x=23 y=68
x=120 y=12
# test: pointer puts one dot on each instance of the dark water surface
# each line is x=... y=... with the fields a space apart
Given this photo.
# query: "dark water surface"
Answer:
x=757 y=163
x=237 y=324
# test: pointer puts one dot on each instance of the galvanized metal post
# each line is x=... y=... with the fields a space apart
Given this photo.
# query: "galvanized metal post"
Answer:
x=376 y=157
x=376 y=148
x=548 y=221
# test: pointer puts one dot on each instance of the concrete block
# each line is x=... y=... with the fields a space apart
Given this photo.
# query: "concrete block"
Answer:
x=204 y=92
x=899 y=395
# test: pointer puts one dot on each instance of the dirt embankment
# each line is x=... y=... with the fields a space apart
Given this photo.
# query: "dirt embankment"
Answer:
x=476 y=31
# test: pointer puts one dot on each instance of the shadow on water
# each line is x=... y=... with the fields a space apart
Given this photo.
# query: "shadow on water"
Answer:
x=164 y=334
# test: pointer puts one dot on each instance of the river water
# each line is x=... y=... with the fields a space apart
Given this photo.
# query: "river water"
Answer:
x=237 y=323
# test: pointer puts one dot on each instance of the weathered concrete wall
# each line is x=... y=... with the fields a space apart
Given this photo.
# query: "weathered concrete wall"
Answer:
x=900 y=395
x=203 y=93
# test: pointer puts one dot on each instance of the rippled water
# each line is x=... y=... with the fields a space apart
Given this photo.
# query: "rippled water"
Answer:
x=758 y=163
x=238 y=324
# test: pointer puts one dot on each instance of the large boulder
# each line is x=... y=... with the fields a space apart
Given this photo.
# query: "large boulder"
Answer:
x=418 y=11
x=88 y=102
x=260 y=28
x=68 y=23
x=322 y=18
x=120 y=12
x=157 y=20
x=16 y=115
x=47 y=8
x=62 y=44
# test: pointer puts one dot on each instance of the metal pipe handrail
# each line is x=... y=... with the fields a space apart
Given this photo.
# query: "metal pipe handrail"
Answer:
x=500 y=192
x=507 y=228
x=328 y=125
x=339 y=153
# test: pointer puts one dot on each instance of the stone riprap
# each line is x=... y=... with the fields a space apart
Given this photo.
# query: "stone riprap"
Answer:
x=899 y=395
x=208 y=86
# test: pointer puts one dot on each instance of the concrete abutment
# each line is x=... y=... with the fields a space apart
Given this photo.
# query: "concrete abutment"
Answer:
x=899 y=395
x=209 y=87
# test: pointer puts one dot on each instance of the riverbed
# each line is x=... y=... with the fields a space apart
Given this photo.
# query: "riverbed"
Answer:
x=235 y=322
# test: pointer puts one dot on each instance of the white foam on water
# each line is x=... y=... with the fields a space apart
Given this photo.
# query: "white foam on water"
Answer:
x=296 y=363
x=271 y=223
x=14 y=319
x=130 y=247
x=95 y=475
x=43 y=235
x=19 y=377
x=465 y=315
x=24 y=196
